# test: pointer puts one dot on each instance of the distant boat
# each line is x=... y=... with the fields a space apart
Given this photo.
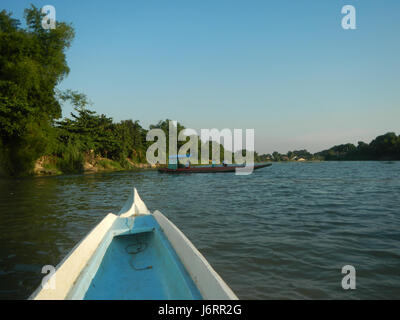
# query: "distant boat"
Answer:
x=134 y=255
x=208 y=169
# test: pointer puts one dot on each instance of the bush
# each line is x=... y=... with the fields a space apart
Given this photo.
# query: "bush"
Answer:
x=71 y=160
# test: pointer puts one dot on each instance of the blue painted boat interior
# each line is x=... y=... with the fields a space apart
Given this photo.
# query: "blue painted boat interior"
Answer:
x=142 y=265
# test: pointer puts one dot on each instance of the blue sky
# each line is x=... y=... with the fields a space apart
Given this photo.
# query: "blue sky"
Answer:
x=285 y=68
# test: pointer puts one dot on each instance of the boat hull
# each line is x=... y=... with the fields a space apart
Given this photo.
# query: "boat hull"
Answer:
x=220 y=169
x=142 y=266
x=134 y=255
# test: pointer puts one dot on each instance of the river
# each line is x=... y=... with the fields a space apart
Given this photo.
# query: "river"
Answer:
x=283 y=232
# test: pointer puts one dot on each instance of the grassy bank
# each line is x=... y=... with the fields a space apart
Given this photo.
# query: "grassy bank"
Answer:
x=52 y=165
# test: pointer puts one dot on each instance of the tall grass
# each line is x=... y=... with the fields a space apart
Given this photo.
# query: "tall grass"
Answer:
x=71 y=159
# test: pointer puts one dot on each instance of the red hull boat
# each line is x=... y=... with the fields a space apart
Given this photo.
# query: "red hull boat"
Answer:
x=209 y=169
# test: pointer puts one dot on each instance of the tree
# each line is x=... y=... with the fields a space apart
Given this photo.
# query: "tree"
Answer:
x=32 y=63
x=386 y=145
x=133 y=139
x=276 y=156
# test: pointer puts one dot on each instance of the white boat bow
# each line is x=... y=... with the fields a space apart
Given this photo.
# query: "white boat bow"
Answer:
x=75 y=276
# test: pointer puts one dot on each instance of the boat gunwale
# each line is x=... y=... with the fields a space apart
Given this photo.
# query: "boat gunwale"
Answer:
x=41 y=291
x=205 y=272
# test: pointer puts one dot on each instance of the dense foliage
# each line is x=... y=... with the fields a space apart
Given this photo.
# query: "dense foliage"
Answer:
x=384 y=147
x=32 y=63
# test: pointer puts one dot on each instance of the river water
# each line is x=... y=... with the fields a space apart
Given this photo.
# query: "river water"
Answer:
x=283 y=232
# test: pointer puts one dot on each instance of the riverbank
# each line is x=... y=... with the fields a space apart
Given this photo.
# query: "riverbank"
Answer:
x=48 y=165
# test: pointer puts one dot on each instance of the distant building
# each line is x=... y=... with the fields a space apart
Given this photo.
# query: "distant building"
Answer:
x=301 y=159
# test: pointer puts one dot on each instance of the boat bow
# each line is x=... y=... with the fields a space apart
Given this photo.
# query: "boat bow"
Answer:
x=134 y=206
x=176 y=259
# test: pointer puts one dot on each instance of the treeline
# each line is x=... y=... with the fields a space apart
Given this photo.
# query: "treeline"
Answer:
x=383 y=147
x=32 y=64
x=295 y=155
x=87 y=136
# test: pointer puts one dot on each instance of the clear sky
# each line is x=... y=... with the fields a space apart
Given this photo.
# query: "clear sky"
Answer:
x=285 y=68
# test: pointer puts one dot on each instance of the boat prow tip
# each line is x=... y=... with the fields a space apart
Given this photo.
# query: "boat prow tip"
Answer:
x=133 y=206
x=140 y=206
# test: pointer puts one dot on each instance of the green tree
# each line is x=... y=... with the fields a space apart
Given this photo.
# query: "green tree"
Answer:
x=133 y=139
x=276 y=156
x=32 y=63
